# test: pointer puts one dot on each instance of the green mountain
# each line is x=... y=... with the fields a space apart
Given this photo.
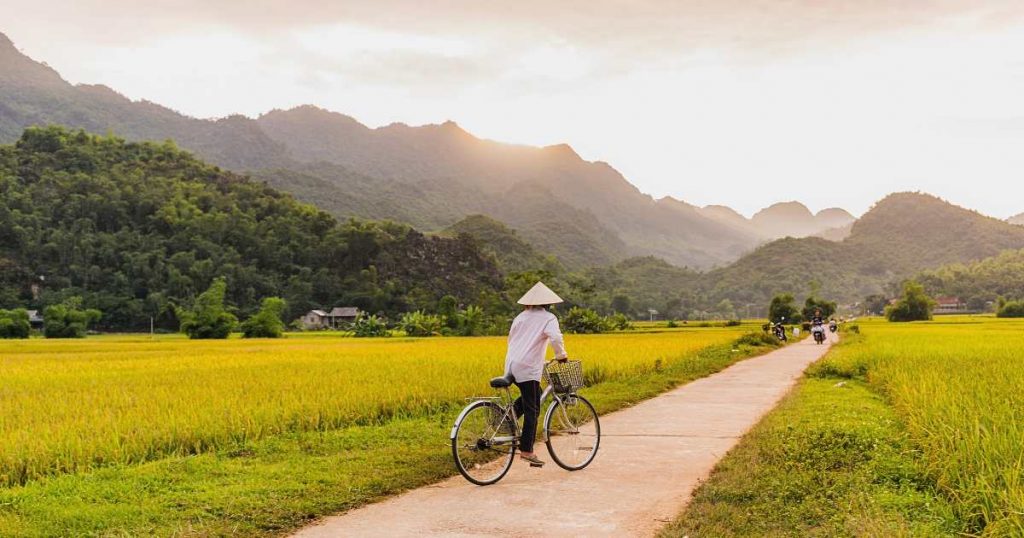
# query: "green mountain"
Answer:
x=978 y=283
x=508 y=248
x=134 y=228
x=901 y=235
x=585 y=213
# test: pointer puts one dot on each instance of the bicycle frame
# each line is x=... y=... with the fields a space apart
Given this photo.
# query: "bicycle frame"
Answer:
x=508 y=412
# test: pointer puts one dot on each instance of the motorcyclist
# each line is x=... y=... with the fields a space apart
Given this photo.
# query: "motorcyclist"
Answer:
x=832 y=325
x=817 y=326
x=779 y=330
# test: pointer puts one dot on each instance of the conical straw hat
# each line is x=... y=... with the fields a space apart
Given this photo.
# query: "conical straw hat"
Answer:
x=538 y=295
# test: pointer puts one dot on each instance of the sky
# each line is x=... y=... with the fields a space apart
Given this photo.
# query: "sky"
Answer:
x=736 y=102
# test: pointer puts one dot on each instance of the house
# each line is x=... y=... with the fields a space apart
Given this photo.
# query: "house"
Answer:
x=949 y=305
x=343 y=314
x=315 y=319
x=336 y=317
x=35 y=319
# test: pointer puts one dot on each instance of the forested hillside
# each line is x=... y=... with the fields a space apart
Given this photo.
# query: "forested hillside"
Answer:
x=980 y=282
x=585 y=213
x=134 y=228
x=901 y=235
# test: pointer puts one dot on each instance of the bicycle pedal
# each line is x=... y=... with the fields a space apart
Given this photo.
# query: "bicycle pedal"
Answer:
x=536 y=465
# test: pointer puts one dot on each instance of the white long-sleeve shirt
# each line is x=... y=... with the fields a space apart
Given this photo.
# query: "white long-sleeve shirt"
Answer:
x=532 y=331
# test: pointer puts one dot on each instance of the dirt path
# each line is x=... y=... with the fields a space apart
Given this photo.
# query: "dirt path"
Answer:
x=652 y=457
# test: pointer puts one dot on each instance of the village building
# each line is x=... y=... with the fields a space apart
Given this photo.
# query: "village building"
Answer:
x=35 y=319
x=949 y=305
x=338 y=316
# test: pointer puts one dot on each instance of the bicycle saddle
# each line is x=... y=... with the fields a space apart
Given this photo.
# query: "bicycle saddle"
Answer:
x=503 y=381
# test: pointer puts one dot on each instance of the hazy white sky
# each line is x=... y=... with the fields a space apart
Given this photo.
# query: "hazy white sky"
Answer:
x=740 y=102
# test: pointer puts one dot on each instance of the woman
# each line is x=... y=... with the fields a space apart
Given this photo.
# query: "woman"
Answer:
x=532 y=330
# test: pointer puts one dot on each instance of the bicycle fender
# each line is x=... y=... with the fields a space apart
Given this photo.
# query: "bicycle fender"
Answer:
x=458 y=420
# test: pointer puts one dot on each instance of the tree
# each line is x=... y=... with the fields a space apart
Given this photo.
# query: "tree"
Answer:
x=914 y=305
x=725 y=309
x=471 y=321
x=68 y=319
x=813 y=304
x=622 y=304
x=14 y=323
x=783 y=309
x=208 y=318
x=369 y=327
x=875 y=304
x=1011 y=309
x=266 y=323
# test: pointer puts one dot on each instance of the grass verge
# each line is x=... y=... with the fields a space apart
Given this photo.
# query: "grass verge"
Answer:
x=275 y=485
x=831 y=460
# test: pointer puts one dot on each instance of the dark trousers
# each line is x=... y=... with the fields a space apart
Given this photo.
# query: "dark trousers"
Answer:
x=527 y=405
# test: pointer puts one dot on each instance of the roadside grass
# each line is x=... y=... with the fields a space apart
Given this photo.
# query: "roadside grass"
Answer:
x=832 y=459
x=270 y=486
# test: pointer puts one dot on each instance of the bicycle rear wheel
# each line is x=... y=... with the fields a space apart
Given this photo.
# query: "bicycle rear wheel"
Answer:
x=573 y=432
x=483 y=442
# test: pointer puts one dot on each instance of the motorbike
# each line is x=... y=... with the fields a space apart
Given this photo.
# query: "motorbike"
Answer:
x=819 y=333
x=779 y=331
x=832 y=327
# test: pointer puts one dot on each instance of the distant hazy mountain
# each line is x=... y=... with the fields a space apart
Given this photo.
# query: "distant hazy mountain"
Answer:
x=584 y=212
x=902 y=234
x=1016 y=219
x=793 y=219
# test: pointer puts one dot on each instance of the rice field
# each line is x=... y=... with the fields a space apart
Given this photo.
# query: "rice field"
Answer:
x=70 y=406
x=958 y=386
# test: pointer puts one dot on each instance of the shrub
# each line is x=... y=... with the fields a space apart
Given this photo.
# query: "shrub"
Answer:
x=756 y=339
x=420 y=324
x=208 y=318
x=1011 y=309
x=855 y=329
x=620 y=322
x=733 y=323
x=915 y=305
x=470 y=321
x=68 y=320
x=584 y=321
x=14 y=323
x=671 y=324
x=369 y=327
x=267 y=322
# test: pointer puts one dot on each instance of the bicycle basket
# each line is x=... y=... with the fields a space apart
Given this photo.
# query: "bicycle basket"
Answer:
x=564 y=377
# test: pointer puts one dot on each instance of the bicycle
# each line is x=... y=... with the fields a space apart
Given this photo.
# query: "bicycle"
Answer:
x=486 y=433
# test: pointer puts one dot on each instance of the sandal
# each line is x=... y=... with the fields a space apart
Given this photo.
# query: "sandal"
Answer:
x=534 y=462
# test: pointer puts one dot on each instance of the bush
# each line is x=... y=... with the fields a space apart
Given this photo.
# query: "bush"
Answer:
x=855 y=329
x=208 y=318
x=672 y=324
x=14 y=323
x=915 y=305
x=756 y=339
x=68 y=319
x=420 y=324
x=471 y=321
x=620 y=322
x=1011 y=309
x=733 y=323
x=369 y=327
x=584 y=321
x=267 y=322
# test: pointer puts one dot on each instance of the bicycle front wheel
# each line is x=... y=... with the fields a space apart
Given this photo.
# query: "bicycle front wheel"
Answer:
x=483 y=442
x=573 y=432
